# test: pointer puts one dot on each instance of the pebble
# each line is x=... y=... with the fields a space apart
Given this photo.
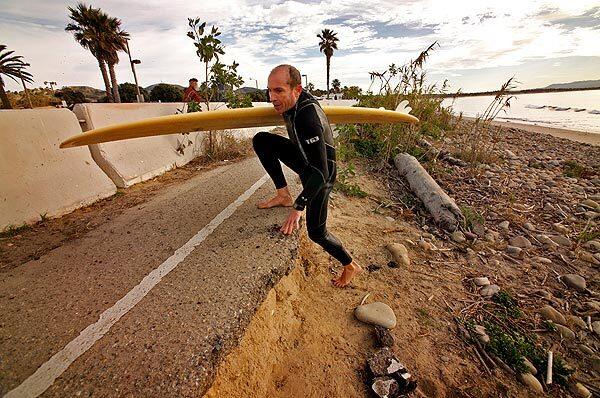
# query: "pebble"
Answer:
x=530 y=366
x=504 y=225
x=543 y=260
x=514 y=251
x=580 y=390
x=546 y=241
x=400 y=253
x=551 y=314
x=529 y=226
x=376 y=313
x=481 y=281
x=596 y=327
x=561 y=240
x=470 y=235
x=576 y=282
x=561 y=229
x=585 y=349
x=423 y=244
x=530 y=381
x=588 y=257
x=593 y=245
x=458 y=237
x=591 y=204
x=565 y=332
x=577 y=321
x=489 y=290
x=520 y=241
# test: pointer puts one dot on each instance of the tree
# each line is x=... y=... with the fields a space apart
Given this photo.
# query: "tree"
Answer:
x=352 y=92
x=208 y=47
x=87 y=30
x=166 y=93
x=11 y=66
x=326 y=46
x=70 y=96
x=336 y=85
x=128 y=92
x=310 y=87
x=95 y=31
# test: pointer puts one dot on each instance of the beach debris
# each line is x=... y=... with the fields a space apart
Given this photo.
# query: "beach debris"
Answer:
x=384 y=337
x=399 y=253
x=442 y=207
x=376 y=313
x=385 y=367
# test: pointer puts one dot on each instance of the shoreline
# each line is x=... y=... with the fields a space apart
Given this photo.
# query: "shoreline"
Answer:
x=573 y=135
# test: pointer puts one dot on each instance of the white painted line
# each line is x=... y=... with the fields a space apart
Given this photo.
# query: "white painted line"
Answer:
x=45 y=375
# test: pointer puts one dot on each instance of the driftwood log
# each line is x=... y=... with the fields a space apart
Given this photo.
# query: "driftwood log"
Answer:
x=442 y=207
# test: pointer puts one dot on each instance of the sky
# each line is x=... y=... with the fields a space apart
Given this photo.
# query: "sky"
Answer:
x=481 y=43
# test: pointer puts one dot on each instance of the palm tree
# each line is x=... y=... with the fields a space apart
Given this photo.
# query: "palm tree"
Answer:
x=335 y=84
x=326 y=46
x=103 y=37
x=116 y=40
x=87 y=31
x=13 y=67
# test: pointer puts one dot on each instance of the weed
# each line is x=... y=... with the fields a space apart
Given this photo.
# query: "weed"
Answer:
x=12 y=230
x=573 y=169
x=344 y=185
x=472 y=217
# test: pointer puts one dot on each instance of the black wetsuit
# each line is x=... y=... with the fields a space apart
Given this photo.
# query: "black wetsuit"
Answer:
x=310 y=152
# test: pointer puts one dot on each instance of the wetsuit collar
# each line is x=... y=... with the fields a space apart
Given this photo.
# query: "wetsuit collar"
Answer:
x=304 y=96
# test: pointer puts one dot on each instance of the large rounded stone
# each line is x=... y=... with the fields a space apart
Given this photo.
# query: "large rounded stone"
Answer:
x=530 y=381
x=551 y=314
x=574 y=281
x=376 y=313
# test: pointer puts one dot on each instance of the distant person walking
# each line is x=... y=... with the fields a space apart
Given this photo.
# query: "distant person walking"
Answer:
x=191 y=93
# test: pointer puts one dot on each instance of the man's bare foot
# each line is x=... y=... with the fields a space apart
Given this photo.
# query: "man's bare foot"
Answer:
x=348 y=273
x=278 y=200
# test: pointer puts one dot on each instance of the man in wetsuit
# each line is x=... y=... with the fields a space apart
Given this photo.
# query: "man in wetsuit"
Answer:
x=310 y=152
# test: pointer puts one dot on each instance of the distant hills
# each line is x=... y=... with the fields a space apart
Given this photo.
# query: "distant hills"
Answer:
x=150 y=87
x=577 y=84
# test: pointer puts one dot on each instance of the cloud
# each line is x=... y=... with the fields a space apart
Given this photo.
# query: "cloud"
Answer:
x=262 y=34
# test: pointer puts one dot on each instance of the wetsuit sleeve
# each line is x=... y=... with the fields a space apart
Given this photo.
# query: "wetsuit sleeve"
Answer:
x=311 y=139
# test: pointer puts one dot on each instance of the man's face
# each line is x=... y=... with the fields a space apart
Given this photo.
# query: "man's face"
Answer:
x=281 y=94
x=194 y=84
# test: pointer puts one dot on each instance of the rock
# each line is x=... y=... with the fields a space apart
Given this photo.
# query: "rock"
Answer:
x=592 y=245
x=510 y=154
x=385 y=387
x=383 y=363
x=561 y=240
x=588 y=257
x=529 y=226
x=591 y=215
x=376 y=313
x=576 y=321
x=585 y=349
x=458 y=237
x=576 y=282
x=481 y=281
x=489 y=290
x=530 y=381
x=590 y=204
x=514 y=251
x=565 y=332
x=479 y=230
x=546 y=241
x=596 y=327
x=399 y=253
x=384 y=337
x=470 y=235
x=561 y=229
x=543 y=260
x=593 y=305
x=504 y=225
x=579 y=390
x=521 y=242
x=482 y=335
x=389 y=218
x=530 y=366
x=551 y=314
x=423 y=244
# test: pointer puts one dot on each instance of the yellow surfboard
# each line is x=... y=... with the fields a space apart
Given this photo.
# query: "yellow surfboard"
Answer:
x=223 y=119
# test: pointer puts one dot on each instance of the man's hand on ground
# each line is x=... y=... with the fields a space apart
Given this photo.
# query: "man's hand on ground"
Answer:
x=291 y=222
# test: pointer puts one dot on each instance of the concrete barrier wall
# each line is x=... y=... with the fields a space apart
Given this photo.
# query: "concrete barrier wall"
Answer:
x=36 y=177
x=128 y=162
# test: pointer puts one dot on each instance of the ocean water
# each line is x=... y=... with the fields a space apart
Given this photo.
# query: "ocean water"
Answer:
x=572 y=110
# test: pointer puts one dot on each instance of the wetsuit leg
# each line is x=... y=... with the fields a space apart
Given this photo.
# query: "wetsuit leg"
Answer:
x=270 y=149
x=316 y=224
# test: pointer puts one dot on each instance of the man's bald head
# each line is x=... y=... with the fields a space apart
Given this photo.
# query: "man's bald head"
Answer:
x=293 y=74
